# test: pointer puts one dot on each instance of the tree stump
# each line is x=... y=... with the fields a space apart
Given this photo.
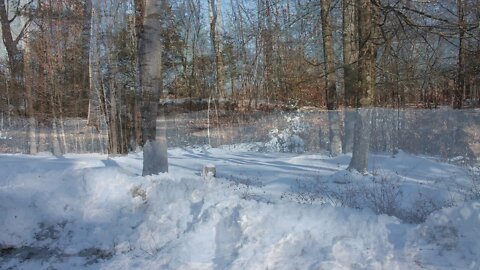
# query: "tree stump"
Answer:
x=209 y=171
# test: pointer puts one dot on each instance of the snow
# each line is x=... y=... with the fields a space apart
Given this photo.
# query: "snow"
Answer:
x=264 y=210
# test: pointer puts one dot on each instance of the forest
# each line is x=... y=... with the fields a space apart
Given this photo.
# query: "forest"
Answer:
x=239 y=134
x=83 y=60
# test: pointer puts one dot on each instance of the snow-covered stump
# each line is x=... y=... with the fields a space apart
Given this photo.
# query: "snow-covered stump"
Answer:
x=209 y=171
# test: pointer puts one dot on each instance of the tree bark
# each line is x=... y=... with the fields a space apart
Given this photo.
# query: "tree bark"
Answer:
x=350 y=58
x=367 y=35
x=460 y=83
x=361 y=142
x=330 y=79
x=32 y=122
x=16 y=66
x=217 y=45
x=155 y=159
x=15 y=61
x=266 y=35
x=90 y=38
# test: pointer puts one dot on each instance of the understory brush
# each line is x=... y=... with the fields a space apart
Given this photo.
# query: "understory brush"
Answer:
x=248 y=187
x=381 y=193
x=474 y=191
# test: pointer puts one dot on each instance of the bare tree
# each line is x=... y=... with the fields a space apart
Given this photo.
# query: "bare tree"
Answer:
x=350 y=57
x=16 y=62
x=266 y=27
x=458 y=95
x=368 y=15
x=32 y=122
x=148 y=25
x=330 y=79
x=217 y=45
x=15 y=59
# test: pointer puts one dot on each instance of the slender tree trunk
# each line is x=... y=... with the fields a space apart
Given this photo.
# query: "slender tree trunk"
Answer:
x=330 y=79
x=32 y=122
x=460 y=84
x=63 y=136
x=56 y=149
x=155 y=159
x=268 y=49
x=96 y=111
x=217 y=45
x=476 y=95
x=266 y=37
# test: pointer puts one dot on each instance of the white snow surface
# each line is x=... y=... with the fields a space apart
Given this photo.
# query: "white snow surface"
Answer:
x=262 y=211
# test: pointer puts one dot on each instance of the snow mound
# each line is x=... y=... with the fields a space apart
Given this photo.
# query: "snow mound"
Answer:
x=75 y=214
x=453 y=234
x=175 y=222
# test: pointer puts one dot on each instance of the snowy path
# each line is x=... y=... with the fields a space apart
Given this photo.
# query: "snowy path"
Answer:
x=263 y=211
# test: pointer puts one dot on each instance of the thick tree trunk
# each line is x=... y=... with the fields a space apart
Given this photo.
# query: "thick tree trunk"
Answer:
x=15 y=61
x=91 y=50
x=155 y=159
x=361 y=141
x=367 y=35
x=330 y=79
x=16 y=91
x=350 y=58
x=115 y=112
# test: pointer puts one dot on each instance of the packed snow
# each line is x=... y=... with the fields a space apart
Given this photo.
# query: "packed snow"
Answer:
x=263 y=210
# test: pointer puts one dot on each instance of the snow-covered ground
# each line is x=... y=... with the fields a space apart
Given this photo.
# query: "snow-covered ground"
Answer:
x=262 y=211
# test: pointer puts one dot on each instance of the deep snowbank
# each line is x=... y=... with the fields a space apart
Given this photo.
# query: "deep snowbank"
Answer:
x=85 y=212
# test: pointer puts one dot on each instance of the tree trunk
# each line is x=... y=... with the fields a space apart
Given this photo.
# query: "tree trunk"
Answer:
x=361 y=140
x=330 y=79
x=367 y=35
x=90 y=51
x=266 y=35
x=32 y=122
x=117 y=140
x=14 y=55
x=350 y=58
x=217 y=45
x=56 y=149
x=349 y=129
x=155 y=159
x=460 y=84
